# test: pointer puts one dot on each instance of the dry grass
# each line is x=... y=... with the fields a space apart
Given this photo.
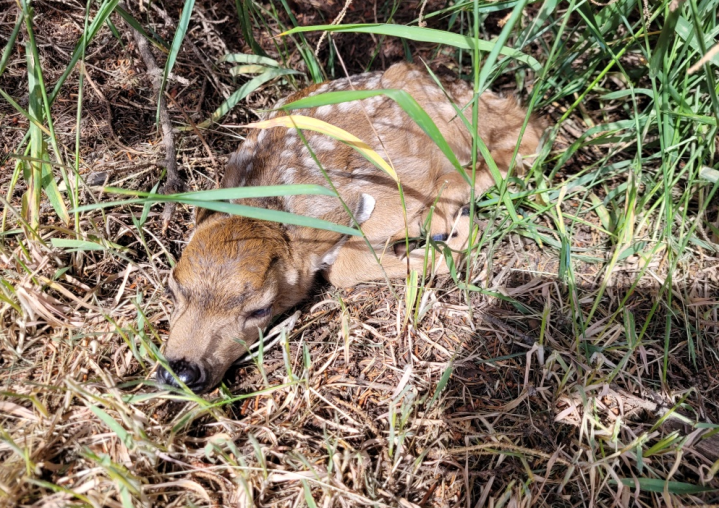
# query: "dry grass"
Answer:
x=508 y=396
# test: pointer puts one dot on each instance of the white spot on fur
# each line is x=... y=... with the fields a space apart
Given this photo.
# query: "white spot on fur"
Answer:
x=321 y=89
x=238 y=159
x=321 y=206
x=322 y=143
x=373 y=82
x=292 y=277
x=261 y=137
x=325 y=110
x=448 y=111
x=286 y=154
x=288 y=175
x=308 y=162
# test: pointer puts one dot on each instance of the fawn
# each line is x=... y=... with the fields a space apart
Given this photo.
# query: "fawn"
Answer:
x=236 y=273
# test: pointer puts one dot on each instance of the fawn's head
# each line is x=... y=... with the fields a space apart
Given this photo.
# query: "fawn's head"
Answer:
x=233 y=277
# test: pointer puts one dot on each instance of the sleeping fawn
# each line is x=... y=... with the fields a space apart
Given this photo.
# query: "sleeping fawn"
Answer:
x=236 y=273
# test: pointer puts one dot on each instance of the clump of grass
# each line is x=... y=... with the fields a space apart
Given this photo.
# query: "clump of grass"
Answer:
x=570 y=361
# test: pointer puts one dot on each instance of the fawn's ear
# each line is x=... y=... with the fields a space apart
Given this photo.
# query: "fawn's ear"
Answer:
x=363 y=208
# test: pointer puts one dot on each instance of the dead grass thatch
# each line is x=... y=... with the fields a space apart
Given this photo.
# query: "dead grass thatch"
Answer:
x=496 y=397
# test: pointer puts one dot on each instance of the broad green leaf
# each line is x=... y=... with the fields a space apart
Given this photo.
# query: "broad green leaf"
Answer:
x=42 y=177
x=255 y=192
x=235 y=209
x=37 y=145
x=624 y=93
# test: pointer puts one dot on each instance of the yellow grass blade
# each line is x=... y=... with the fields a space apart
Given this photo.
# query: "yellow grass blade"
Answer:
x=313 y=124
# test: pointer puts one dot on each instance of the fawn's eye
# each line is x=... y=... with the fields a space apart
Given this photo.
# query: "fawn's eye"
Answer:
x=170 y=294
x=260 y=313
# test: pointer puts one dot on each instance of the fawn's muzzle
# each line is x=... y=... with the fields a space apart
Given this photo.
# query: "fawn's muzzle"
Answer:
x=193 y=375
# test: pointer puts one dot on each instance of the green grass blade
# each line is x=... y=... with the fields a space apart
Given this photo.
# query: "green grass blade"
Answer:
x=243 y=210
x=250 y=59
x=305 y=50
x=274 y=216
x=498 y=44
x=31 y=118
x=37 y=145
x=657 y=485
x=107 y=8
x=245 y=19
x=175 y=48
x=665 y=38
x=264 y=191
x=10 y=45
x=39 y=106
x=76 y=245
x=402 y=98
x=442 y=383
x=158 y=43
x=419 y=34
x=113 y=425
x=243 y=92
x=308 y=495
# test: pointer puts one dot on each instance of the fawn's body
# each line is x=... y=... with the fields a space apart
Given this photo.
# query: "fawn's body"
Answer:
x=236 y=273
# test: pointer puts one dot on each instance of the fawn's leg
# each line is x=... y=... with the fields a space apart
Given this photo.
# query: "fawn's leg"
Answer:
x=356 y=263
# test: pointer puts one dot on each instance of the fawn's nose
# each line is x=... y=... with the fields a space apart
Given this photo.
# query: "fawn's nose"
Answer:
x=189 y=373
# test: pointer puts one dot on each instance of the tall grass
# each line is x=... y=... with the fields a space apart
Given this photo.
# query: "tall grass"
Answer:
x=629 y=158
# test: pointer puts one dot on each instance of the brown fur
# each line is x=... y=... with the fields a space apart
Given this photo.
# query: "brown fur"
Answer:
x=233 y=265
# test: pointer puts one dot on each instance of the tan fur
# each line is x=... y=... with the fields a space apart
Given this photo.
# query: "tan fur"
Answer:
x=234 y=266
